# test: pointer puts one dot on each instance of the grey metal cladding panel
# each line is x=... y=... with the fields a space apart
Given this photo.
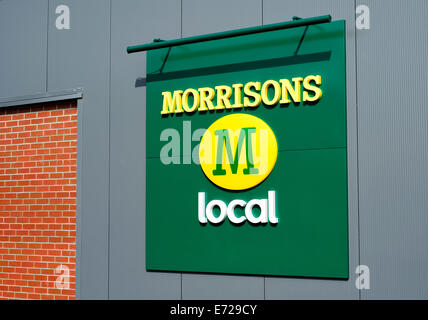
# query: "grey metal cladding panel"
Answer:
x=218 y=287
x=292 y=288
x=79 y=57
x=23 y=34
x=393 y=157
x=134 y=22
x=200 y=17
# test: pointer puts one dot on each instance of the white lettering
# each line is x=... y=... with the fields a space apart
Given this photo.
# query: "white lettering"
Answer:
x=231 y=211
x=170 y=152
x=266 y=206
x=363 y=20
x=262 y=204
x=363 y=280
x=63 y=20
x=209 y=211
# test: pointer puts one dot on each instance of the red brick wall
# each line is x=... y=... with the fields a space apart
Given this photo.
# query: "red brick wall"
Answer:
x=38 y=201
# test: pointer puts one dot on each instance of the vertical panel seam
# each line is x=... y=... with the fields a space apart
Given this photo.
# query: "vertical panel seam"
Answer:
x=357 y=147
x=109 y=156
x=181 y=36
x=262 y=11
x=264 y=278
x=47 y=47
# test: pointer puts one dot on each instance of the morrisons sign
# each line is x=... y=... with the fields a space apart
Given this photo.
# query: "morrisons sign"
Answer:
x=246 y=155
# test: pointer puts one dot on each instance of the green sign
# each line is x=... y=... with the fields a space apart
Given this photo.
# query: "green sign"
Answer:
x=246 y=169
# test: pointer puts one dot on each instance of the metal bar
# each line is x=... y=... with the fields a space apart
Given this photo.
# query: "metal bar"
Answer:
x=41 y=98
x=229 y=34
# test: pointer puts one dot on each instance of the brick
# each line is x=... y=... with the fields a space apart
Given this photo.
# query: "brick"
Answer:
x=38 y=150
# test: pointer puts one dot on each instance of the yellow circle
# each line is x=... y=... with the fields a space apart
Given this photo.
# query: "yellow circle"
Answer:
x=238 y=151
